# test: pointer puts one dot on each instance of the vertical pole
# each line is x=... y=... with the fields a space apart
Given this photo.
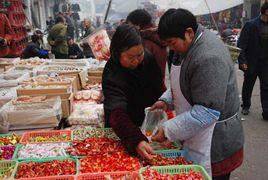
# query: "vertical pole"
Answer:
x=107 y=11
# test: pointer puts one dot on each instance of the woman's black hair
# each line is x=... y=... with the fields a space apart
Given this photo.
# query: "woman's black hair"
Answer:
x=139 y=17
x=59 y=19
x=264 y=7
x=125 y=37
x=175 y=22
x=35 y=38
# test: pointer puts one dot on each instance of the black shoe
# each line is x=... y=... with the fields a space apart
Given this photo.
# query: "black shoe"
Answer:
x=245 y=111
x=265 y=117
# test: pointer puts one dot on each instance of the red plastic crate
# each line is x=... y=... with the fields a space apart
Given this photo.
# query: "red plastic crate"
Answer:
x=27 y=135
x=67 y=177
x=112 y=175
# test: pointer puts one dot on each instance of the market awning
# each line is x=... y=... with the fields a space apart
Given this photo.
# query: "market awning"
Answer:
x=198 y=7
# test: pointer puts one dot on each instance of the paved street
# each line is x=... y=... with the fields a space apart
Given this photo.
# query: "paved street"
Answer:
x=256 y=146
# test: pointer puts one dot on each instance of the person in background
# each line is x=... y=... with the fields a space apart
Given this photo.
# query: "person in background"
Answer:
x=143 y=21
x=131 y=82
x=88 y=30
x=34 y=48
x=253 y=59
x=57 y=39
x=50 y=23
x=6 y=34
x=74 y=50
x=70 y=25
x=204 y=94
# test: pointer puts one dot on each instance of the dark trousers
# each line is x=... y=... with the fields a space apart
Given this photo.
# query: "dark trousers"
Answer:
x=61 y=56
x=249 y=82
x=224 y=177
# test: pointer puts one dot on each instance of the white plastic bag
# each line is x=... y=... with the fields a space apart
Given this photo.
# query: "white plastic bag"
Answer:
x=153 y=120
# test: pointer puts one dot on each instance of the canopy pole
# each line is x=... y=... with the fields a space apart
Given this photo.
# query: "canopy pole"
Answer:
x=107 y=11
x=213 y=19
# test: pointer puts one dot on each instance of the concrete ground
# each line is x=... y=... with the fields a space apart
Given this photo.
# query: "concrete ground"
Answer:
x=255 y=162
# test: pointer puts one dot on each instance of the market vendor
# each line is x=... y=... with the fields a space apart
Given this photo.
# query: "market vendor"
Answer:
x=204 y=94
x=35 y=47
x=131 y=82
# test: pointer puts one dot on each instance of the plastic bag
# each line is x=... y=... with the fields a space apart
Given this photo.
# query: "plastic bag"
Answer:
x=153 y=120
x=87 y=114
x=25 y=115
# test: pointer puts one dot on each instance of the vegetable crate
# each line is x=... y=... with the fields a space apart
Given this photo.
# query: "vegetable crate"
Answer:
x=94 y=133
x=20 y=146
x=175 y=153
x=13 y=155
x=177 y=170
x=65 y=134
x=112 y=175
x=8 y=135
x=59 y=177
x=7 y=169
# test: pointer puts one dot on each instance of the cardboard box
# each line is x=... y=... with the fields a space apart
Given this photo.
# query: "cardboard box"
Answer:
x=45 y=91
x=94 y=79
x=95 y=73
x=66 y=102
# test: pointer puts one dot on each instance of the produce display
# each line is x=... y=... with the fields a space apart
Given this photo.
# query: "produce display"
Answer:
x=88 y=96
x=6 y=152
x=45 y=79
x=149 y=174
x=30 y=62
x=159 y=160
x=29 y=99
x=43 y=169
x=38 y=139
x=61 y=68
x=34 y=86
x=81 y=134
x=95 y=86
x=43 y=150
x=94 y=147
x=109 y=162
x=87 y=114
x=9 y=140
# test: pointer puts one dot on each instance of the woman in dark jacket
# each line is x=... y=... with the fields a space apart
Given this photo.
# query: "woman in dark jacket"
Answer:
x=131 y=82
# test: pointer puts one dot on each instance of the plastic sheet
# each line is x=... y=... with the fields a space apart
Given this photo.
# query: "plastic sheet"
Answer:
x=88 y=114
x=6 y=94
x=12 y=79
x=39 y=114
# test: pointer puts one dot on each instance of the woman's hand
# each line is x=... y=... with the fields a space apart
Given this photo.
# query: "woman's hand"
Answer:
x=159 y=105
x=145 y=150
x=159 y=136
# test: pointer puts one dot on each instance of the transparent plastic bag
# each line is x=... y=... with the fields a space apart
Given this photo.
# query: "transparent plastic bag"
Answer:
x=87 y=114
x=153 y=120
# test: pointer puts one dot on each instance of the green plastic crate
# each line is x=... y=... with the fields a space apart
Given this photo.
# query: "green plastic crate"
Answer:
x=18 y=148
x=67 y=177
x=178 y=169
x=6 y=165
